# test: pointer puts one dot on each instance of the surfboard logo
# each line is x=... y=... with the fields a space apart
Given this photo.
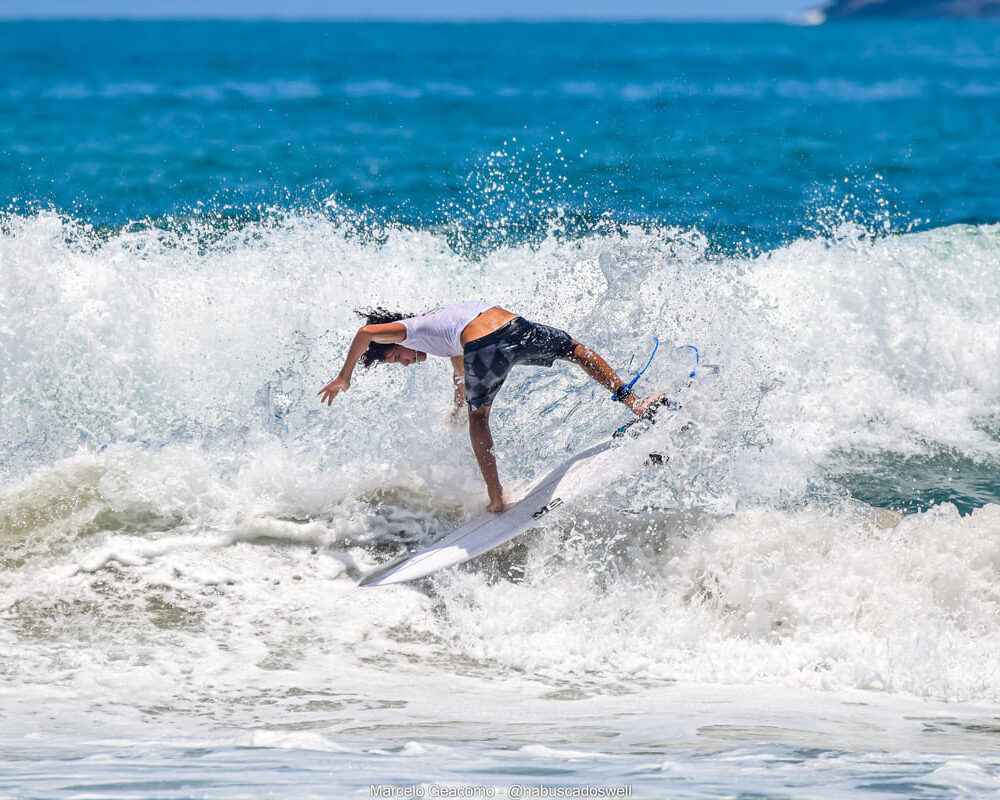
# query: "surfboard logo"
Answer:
x=553 y=503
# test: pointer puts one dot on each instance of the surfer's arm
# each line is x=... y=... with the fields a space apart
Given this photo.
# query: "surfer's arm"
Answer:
x=389 y=333
x=458 y=379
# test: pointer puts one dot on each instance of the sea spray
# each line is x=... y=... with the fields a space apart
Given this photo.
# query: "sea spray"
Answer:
x=169 y=467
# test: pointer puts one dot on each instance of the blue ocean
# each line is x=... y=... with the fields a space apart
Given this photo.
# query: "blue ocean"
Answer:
x=802 y=602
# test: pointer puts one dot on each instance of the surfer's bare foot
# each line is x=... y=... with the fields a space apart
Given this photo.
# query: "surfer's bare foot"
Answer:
x=646 y=404
x=496 y=506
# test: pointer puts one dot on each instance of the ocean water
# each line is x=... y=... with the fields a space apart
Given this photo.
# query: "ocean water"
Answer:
x=802 y=603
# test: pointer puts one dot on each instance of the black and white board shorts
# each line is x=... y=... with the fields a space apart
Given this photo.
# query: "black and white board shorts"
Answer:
x=490 y=358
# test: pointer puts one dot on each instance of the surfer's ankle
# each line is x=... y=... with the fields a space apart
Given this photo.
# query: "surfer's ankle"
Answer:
x=495 y=493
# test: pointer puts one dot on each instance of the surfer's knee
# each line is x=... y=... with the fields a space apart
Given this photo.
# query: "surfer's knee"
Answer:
x=479 y=415
x=577 y=354
x=479 y=427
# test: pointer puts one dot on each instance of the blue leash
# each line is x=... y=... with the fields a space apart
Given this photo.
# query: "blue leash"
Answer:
x=671 y=405
x=625 y=389
x=697 y=362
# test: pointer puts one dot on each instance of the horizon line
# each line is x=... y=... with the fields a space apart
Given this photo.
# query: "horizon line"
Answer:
x=807 y=16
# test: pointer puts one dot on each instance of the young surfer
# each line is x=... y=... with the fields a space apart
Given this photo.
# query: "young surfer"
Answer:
x=483 y=342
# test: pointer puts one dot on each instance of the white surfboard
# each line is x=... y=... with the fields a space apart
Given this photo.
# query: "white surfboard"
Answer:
x=483 y=533
x=479 y=535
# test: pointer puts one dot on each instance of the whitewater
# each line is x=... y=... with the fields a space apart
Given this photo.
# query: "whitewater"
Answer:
x=804 y=599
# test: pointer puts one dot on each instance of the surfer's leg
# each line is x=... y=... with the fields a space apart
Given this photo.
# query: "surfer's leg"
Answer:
x=482 y=446
x=595 y=366
x=486 y=365
x=599 y=369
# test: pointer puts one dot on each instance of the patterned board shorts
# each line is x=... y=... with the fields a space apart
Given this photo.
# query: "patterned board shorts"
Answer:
x=490 y=358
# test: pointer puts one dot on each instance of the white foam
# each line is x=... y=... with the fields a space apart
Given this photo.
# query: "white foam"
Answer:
x=561 y=754
x=184 y=523
x=292 y=740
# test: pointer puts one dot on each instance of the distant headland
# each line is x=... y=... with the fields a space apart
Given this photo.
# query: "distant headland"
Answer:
x=911 y=9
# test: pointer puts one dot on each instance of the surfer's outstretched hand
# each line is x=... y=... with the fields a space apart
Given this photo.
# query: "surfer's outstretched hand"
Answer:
x=333 y=388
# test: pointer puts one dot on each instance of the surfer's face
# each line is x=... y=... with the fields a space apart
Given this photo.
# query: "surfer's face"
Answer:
x=397 y=354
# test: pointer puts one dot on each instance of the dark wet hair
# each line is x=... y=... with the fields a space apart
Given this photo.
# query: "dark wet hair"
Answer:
x=377 y=351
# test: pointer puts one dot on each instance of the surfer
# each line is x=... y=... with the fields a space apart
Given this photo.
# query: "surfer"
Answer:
x=483 y=342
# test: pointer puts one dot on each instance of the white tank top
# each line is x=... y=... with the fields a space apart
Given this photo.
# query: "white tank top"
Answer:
x=439 y=332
